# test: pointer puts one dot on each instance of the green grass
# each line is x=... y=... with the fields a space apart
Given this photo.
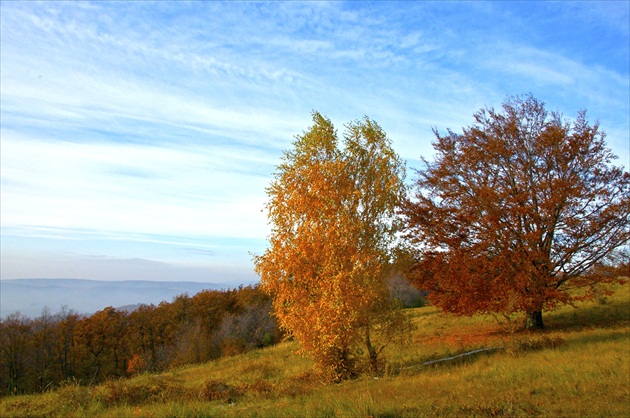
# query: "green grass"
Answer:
x=579 y=366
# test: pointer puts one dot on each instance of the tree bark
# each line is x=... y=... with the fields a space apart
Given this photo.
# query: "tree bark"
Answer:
x=371 y=354
x=534 y=320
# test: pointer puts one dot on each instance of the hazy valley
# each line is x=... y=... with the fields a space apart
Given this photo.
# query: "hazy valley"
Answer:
x=30 y=296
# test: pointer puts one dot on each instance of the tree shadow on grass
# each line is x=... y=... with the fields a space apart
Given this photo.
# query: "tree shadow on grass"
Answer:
x=594 y=315
x=614 y=336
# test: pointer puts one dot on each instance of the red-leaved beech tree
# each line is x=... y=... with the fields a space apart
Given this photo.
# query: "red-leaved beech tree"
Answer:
x=513 y=212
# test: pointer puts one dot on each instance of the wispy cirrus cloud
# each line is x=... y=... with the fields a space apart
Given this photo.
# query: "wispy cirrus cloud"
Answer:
x=85 y=185
x=149 y=131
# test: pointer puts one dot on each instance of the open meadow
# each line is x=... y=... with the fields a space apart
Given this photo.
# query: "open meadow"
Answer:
x=578 y=366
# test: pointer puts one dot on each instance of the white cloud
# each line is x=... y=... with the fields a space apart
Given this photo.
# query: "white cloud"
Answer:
x=164 y=130
x=130 y=188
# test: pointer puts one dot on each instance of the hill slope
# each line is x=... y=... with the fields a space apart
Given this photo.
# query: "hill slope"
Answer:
x=580 y=366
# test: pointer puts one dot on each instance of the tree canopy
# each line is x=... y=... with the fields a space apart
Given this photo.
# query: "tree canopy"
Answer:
x=513 y=212
x=332 y=211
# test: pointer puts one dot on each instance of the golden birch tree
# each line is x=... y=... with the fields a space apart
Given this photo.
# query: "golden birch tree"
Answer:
x=332 y=212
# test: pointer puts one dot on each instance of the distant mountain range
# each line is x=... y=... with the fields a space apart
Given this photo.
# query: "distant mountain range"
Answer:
x=30 y=296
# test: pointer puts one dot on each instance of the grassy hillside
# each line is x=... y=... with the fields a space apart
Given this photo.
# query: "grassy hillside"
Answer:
x=580 y=366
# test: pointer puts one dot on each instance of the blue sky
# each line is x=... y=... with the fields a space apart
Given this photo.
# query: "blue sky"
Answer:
x=137 y=138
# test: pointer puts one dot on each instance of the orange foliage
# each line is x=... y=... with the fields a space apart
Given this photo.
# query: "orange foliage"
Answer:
x=330 y=250
x=515 y=210
x=136 y=365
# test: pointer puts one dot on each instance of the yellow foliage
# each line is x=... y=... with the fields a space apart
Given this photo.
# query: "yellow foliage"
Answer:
x=333 y=240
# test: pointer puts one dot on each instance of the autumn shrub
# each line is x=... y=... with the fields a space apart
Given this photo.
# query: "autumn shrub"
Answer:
x=260 y=387
x=302 y=383
x=168 y=388
x=122 y=392
x=155 y=389
x=72 y=396
x=533 y=343
x=218 y=390
x=115 y=392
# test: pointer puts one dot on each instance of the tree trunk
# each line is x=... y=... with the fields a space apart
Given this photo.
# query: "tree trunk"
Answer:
x=343 y=367
x=534 y=320
x=372 y=354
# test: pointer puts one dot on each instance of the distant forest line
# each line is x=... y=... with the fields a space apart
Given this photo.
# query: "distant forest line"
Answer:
x=37 y=354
